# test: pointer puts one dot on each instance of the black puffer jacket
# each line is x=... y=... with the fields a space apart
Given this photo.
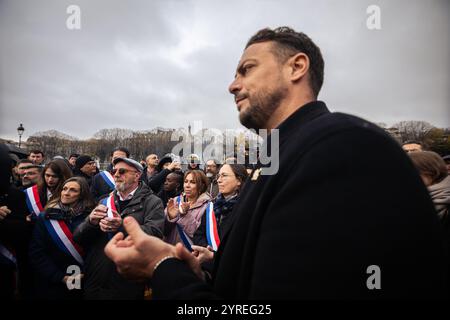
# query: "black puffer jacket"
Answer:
x=101 y=279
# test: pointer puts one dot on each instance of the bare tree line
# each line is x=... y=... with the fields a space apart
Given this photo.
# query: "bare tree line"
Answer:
x=140 y=144
x=159 y=141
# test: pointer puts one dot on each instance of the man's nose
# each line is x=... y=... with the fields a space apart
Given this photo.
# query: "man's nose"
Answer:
x=235 y=86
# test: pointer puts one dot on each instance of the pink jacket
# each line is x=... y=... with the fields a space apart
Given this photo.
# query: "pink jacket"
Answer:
x=189 y=221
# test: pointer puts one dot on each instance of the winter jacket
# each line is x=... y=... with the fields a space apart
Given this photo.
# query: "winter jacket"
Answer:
x=223 y=210
x=189 y=221
x=78 y=173
x=156 y=181
x=345 y=197
x=440 y=194
x=15 y=234
x=101 y=279
x=49 y=260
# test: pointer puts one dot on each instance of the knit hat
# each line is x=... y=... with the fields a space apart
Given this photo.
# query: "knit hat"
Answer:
x=82 y=160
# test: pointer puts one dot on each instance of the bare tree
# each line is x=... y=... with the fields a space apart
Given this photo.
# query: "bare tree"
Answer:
x=413 y=130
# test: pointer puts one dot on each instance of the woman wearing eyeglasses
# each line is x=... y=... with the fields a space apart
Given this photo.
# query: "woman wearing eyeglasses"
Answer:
x=230 y=180
x=52 y=249
x=184 y=213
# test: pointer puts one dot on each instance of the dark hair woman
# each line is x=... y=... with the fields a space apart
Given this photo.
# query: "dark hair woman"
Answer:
x=52 y=249
x=184 y=213
x=50 y=183
x=53 y=176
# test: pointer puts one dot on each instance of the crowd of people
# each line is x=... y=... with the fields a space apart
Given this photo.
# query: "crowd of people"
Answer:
x=346 y=198
x=61 y=213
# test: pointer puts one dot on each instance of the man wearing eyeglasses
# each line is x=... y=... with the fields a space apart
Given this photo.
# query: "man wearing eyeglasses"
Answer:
x=131 y=197
x=103 y=182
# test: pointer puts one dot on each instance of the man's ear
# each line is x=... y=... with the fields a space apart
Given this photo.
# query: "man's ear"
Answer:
x=298 y=66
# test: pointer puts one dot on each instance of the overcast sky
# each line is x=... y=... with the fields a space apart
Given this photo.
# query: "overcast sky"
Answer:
x=144 y=64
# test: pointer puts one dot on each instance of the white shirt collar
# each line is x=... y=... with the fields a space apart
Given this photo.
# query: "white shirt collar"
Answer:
x=130 y=195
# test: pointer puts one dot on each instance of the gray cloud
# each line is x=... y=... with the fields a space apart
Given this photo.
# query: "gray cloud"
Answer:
x=143 y=64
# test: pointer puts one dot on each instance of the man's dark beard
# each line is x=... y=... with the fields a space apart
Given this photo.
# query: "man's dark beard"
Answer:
x=261 y=108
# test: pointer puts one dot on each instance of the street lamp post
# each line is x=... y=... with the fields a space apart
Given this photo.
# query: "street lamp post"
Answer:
x=20 y=131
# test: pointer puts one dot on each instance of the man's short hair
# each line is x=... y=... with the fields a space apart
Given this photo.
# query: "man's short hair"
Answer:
x=123 y=149
x=288 y=42
x=412 y=142
x=24 y=161
x=213 y=160
x=34 y=166
x=37 y=152
x=74 y=155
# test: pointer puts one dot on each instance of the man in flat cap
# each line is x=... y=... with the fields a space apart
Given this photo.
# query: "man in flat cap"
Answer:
x=131 y=197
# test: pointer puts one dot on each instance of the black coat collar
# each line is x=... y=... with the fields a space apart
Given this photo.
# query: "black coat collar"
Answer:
x=303 y=115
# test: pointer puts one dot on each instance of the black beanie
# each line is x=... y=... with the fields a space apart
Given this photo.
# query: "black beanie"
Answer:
x=82 y=160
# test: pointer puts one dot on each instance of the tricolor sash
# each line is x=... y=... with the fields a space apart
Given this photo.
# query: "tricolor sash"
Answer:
x=106 y=175
x=184 y=238
x=63 y=238
x=33 y=201
x=8 y=255
x=109 y=203
x=212 y=234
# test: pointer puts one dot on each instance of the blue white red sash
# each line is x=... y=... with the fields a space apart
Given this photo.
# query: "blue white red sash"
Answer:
x=106 y=175
x=8 y=255
x=184 y=238
x=63 y=238
x=212 y=234
x=109 y=203
x=33 y=201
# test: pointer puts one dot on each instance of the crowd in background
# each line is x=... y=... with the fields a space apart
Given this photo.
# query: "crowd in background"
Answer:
x=61 y=213
x=57 y=215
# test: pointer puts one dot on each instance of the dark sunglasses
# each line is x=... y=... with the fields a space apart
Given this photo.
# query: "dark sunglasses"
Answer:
x=121 y=171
